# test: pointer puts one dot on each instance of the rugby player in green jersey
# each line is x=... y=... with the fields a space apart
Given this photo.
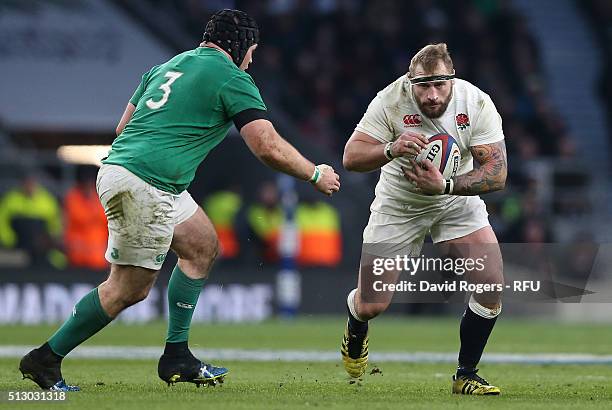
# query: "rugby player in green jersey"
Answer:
x=180 y=111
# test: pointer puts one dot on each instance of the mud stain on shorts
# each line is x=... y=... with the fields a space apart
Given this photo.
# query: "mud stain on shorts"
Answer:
x=131 y=219
x=115 y=206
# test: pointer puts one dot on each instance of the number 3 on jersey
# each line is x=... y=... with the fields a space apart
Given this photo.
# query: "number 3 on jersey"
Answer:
x=172 y=76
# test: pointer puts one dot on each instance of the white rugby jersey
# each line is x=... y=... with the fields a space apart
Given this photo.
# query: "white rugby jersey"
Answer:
x=471 y=118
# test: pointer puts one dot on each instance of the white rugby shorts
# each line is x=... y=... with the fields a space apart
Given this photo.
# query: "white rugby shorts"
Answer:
x=405 y=232
x=141 y=218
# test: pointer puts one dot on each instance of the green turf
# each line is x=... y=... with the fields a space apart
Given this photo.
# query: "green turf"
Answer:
x=123 y=384
x=134 y=384
x=387 y=334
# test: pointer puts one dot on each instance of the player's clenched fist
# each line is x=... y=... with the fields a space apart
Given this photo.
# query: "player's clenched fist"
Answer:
x=426 y=178
x=328 y=181
x=409 y=143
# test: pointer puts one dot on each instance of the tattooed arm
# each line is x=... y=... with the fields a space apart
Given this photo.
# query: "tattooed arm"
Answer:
x=491 y=176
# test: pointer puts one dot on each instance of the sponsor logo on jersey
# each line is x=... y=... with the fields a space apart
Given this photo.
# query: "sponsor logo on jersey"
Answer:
x=412 y=120
x=463 y=121
x=115 y=253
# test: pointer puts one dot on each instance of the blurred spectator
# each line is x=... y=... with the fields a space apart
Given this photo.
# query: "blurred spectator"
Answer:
x=526 y=222
x=223 y=207
x=265 y=220
x=30 y=219
x=318 y=224
x=600 y=14
x=577 y=260
x=86 y=233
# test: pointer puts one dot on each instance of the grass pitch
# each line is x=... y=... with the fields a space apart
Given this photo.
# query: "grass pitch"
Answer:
x=133 y=384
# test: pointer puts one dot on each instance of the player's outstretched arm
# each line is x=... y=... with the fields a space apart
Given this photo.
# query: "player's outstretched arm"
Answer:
x=125 y=118
x=271 y=149
x=363 y=153
x=491 y=176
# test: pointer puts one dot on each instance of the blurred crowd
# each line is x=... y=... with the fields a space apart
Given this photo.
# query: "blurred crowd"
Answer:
x=55 y=233
x=599 y=12
x=251 y=232
x=73 y=232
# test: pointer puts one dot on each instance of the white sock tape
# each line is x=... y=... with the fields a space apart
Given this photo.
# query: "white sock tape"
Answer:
x=483 y=311
x=350 y=301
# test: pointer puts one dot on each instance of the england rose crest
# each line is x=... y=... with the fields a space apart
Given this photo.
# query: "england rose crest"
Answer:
x=463 y=121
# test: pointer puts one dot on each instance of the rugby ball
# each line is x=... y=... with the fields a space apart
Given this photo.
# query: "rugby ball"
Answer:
x=442 y=150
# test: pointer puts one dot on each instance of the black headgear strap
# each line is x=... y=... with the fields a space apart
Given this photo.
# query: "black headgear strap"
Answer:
x=234 y=31
x=432 y=78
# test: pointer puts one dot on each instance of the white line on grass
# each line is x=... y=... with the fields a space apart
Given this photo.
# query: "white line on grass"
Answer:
x=151 y=352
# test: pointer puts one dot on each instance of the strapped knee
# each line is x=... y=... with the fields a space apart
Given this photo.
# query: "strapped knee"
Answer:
x=483 y=311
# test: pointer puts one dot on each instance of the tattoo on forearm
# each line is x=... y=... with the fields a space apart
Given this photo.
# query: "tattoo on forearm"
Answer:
x=491 y=176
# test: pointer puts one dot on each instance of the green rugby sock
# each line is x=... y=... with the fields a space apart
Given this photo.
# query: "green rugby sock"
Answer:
x=183 y=293
x=87 y=319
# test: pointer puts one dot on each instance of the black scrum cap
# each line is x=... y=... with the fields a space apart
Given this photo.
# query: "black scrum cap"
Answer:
x=234 y=31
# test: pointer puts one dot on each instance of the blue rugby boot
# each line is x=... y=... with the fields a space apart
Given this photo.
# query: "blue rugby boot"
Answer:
x=43 y=367
x=176 y=369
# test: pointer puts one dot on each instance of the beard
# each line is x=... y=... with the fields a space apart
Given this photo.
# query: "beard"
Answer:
x=434 y=111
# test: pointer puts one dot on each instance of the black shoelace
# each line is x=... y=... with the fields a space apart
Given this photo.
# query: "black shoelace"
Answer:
x=476 y=377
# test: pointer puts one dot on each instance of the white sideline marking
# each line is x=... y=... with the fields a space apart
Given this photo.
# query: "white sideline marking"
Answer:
x=152 y=352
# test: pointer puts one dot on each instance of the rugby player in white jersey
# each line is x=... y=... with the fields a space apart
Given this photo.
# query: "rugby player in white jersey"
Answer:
x=413 y=199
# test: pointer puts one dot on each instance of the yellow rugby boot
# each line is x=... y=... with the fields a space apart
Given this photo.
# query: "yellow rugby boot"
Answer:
x=354 y=352
x=473 y=384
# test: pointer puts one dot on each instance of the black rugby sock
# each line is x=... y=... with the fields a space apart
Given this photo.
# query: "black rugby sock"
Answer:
x=356 y=325
x=48 y=354
x=177 y=349
x=474 y=333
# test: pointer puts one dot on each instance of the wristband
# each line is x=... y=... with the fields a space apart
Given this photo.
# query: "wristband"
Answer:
x=388 y=153
x=450 y=184
x=316 y=176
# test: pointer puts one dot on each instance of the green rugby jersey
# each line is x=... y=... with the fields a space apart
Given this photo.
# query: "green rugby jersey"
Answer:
x=184 y=108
